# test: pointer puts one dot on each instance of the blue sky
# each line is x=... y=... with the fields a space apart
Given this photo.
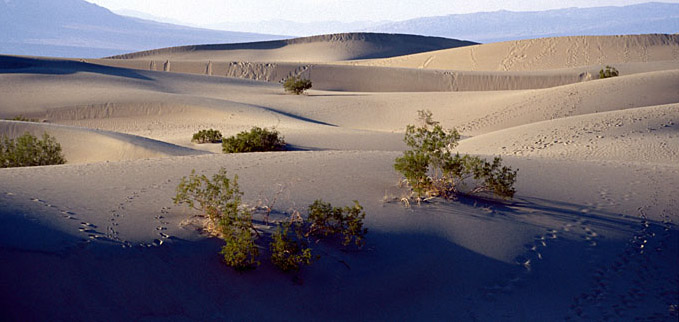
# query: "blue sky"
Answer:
x=206 y=12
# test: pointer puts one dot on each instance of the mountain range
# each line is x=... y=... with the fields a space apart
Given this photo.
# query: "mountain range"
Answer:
x=76 y=28
x=485 y=27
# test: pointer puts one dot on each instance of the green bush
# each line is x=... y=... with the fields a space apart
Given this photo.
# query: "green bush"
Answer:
x=219 y=200
x=27 y=150
x=289 y=249
x=296 y=85
x=608 y=71
x=431 y=170
x=205 y=136
x=256 y=140
x=327 y=220
x=240 y=251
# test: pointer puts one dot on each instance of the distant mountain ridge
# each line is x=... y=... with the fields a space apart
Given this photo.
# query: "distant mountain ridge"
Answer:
x=296 y=28
x=485 y=27
x=76 y=28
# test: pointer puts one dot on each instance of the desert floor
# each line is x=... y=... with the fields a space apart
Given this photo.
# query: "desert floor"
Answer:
x=590 y=235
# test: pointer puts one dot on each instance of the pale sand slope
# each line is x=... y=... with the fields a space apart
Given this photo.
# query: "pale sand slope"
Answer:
x=83 y=145
x=82 y=241
x=544 y=53
x=525 y=64
x=644 y=134
x=171 y=107
x=337 y=77
x=323 y=48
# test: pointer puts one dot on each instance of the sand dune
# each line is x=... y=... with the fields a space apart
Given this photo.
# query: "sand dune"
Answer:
x=307 y=49
x=644 y=134
x=544 y=53
x=525 y=64
x=590 y=234
x=81 y=145
x=335 y=77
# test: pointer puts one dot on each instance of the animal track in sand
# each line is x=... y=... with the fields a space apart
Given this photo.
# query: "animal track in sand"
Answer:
x=526 y=261
x=84 y=227
x=640 y=283
x=531 y=260
x=118 y=215
x=162 y=227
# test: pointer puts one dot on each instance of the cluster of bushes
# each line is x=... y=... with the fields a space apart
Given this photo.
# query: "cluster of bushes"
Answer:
x=429 y=167
x=27 y=150
x=207 y=136
x=608 y=71
x=256 y=140
x=220 y=200
x=432 y=170
x=296 y=85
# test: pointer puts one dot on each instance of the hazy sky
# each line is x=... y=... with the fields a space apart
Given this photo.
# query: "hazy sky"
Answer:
x=205 y=12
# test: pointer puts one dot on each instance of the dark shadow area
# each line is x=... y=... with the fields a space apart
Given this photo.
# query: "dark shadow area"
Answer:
x=402 y=275
x=397 y=276
x=297 y=148
x=24 y=65
x=334 y=95
x=290 y=115
x=563 y=211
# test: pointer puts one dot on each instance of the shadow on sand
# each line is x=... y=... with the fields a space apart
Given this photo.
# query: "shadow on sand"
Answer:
x=46 y=66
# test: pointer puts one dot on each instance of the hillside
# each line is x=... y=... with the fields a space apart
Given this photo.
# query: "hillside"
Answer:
x=76 y=28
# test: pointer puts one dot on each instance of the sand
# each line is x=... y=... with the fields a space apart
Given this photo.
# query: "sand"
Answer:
x=590 y=234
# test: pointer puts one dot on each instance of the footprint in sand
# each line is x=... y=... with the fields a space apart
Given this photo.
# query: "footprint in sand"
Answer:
x=639 y=283
x=161 y=228
x=68 y=215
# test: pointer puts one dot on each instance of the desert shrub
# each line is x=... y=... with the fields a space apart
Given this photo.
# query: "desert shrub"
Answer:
x=219 y=199
x=296 y=85
x=27 y=150
x=289 y=248
x=325 y=220
x=608 y=71
x=240 y=251
x=256 y=140
x=205 y=136
x=432 y=170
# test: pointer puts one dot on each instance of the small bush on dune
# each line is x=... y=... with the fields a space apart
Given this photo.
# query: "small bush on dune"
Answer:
x=240 y=251
x=608 y=72
x=256 y=140
x=296 y=85
x=289 y=247
x=431 y=170
x=207 y=136
x=27 y=150
x=219 y=200
x=328 y=220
